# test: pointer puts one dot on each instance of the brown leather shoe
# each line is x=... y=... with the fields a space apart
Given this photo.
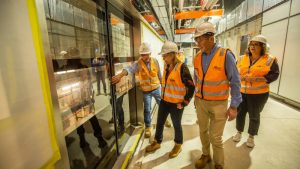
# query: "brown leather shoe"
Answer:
x=218 y=167
x=175 y=151
x=152 y=147
x=201 y=163
x=148 y=132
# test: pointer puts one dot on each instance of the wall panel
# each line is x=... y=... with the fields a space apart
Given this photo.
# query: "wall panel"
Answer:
x=276 y=42
x=277 y=13
x=295 y=9
x=290 y=80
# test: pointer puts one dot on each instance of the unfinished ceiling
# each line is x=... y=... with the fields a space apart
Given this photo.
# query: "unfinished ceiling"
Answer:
x=176 y=19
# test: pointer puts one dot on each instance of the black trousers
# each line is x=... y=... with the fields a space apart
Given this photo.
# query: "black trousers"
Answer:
x=253 y=104
x=164 y=110
x=120 y=110
x=96 y=127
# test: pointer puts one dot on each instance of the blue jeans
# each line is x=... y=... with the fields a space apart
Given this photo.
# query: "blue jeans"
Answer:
x=156 y=93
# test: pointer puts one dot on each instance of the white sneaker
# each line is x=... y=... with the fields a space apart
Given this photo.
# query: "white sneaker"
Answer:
x=250 y=142
x=237 y=137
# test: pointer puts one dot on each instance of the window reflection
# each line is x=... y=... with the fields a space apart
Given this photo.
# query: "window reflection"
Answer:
x=77 y=35
x=122 y=52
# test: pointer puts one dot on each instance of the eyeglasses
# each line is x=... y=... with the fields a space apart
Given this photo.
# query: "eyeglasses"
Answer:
x=254 y=45
x=166 y=55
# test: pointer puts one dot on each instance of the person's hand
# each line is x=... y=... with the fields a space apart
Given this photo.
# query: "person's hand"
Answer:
x=179 y=106
x=116 y=79
x=231 y=113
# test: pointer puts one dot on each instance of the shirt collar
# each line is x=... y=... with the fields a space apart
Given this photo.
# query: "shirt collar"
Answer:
x=216 y=46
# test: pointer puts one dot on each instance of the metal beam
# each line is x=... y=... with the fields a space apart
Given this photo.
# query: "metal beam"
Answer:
x=184 y=31
x=198 y=14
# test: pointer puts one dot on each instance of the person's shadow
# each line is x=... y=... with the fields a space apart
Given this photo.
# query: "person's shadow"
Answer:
x=237 y=156
x=90 y=160
x=157 y=161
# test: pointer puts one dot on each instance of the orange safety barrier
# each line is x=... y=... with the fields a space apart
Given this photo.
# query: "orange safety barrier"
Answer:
x=198 y=14
x=114 y=21
x=149 y=18
x=161 y=32
x=186 y=30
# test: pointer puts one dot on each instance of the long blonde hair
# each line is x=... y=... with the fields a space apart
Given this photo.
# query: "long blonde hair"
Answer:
x=176 y=60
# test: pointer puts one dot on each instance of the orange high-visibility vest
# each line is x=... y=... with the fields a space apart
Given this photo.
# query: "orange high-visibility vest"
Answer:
x=173 y=90
x=213 y=85
x=149 y=80
x=252 y=77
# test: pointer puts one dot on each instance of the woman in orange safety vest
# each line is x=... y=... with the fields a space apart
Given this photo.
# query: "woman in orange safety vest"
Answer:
x=257 y=70
x=177 y=91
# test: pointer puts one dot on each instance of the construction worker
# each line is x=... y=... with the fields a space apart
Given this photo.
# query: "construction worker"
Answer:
x=177 y=91
x=99 y=64
x=150 y=79
x=257 y=70
x=215 y=73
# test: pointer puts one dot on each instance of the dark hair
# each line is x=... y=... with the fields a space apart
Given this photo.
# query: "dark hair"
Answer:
x=206 y=35
x=262 y=52
x=209 y=34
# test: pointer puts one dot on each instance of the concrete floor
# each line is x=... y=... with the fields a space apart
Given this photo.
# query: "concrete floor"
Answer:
x=277 y=145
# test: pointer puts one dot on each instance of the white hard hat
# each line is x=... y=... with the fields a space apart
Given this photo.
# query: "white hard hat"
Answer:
x=168 y=47
x=63 y=52
x=203 y=28
x=259 y=38
x=145 y=48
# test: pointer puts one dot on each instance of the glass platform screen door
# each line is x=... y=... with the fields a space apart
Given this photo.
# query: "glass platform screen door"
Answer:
x=121 y=48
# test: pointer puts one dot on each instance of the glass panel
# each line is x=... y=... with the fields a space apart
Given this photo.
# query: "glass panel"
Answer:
x=47 y=12
x=78 y=17
x=56 y=12
x=67 y=11
x=122 y=51
x=77 y=35
x=84 y=41
x=62 y=29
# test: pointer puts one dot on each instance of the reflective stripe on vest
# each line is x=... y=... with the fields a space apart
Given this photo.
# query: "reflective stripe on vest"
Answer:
x=173 y=90
x=213 y=85
x=148 y=79
x=171 y=87
x=174 y=96
x=252 y=76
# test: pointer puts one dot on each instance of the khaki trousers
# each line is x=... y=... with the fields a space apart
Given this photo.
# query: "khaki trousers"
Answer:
x=212 y=118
